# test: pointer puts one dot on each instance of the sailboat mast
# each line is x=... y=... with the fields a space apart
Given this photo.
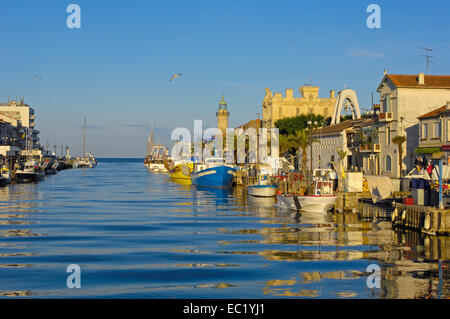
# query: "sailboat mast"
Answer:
x=84 y=137
x=150 y=142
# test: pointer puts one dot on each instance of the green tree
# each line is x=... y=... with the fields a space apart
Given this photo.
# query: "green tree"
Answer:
x=399 y=140
x=285 y=144
x=302 y=140
x=290 y=125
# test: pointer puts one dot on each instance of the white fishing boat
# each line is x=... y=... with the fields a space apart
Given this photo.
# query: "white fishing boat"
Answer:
x=263 y=187
x=155 y=161
x=87 y=161
x=5 y=176
x=29 y=172
x=320 y=201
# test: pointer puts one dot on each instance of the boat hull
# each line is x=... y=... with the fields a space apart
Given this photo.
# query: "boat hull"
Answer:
x=4 y=181
x=313 y=204
x=180 y=173
x=217 y=177
x=50 y=171
x=29 y=177
x=262 y=190
x=157 y=168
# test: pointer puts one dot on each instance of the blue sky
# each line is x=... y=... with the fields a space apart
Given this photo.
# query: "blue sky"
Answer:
x=115 y=69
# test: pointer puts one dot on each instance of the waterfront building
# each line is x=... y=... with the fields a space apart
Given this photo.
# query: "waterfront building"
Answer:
x=434 y=132
x=222 y=116
x=327 y=142
x=247 y=128
x=252 y=124
x=275 y=106
x=9 y=137
x=403 y=98
x=21 y=115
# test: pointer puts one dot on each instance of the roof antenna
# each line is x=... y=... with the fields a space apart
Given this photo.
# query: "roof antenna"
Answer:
x=428 y=56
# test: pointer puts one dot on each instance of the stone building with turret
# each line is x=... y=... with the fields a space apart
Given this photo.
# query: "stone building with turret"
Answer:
x=275 y=106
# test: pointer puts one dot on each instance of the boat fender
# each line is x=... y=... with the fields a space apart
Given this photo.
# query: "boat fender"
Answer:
x=427 y=222
x=404 y=215
x=394 y=215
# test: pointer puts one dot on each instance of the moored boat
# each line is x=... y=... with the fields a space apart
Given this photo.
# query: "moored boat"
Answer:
x=155 y=160
x=5 y=176
x=29 y=172
x=263 y=187
x=320 y=201
x=181 y=171
x=50 y=168
x=213 y=173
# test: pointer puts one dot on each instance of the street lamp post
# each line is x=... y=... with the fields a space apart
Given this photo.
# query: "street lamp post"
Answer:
x=310 y=125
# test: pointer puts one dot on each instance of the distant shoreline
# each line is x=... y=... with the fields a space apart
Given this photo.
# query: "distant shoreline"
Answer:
x=122 y=159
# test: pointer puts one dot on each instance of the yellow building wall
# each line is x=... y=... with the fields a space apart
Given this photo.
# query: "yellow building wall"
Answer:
x=275 y=106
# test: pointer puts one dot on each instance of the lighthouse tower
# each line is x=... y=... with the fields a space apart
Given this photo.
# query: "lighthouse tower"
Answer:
x=222 y=116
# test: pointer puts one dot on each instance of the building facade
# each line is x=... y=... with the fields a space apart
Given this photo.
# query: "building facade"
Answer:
x=403 y=98
x=434 y=132
x=21 y=115
x=275 y=106
x=330 y=139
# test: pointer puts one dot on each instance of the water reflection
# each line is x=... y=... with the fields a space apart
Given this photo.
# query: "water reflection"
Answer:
x=20 y=198
x=409 y=261
x=148 y=236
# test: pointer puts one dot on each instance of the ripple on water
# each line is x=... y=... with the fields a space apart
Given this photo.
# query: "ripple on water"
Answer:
x=138 y=235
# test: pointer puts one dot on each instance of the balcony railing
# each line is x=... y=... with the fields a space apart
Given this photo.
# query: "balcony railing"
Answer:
x=385 y=117
x=370 y=148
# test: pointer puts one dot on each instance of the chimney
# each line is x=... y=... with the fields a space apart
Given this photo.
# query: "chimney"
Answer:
x=332 y=94
x=421 y=79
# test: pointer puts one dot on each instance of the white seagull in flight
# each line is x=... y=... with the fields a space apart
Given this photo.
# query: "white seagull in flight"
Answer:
x=175 y=76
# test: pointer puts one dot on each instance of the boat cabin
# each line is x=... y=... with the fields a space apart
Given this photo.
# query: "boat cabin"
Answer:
x=323 y=188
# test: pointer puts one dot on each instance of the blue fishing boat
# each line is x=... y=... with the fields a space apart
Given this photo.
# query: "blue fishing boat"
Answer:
x=213 y=173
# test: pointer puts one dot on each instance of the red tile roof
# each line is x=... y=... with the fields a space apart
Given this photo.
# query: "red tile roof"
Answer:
x=337 y=128
x=434 y=113
x=431 y=81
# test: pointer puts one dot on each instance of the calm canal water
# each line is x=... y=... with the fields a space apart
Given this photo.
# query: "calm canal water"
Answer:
x=139 y=235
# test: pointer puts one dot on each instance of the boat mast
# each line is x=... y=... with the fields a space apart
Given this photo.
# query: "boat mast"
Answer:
x=150 y=142
x=84 y=137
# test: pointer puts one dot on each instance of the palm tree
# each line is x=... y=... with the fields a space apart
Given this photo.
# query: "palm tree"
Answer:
x=367 y=137
x=362 y=137
x=285 y=143
x=399 y=140
x=302 y=141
